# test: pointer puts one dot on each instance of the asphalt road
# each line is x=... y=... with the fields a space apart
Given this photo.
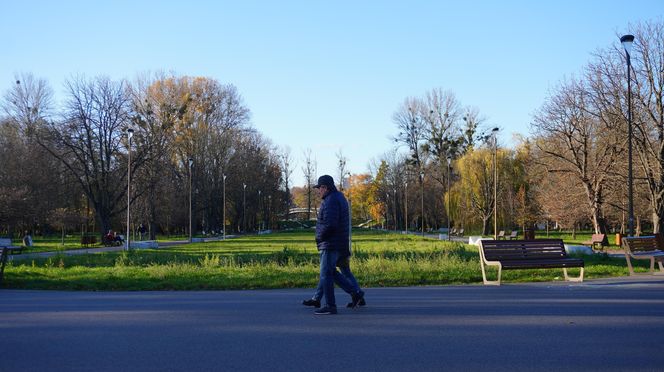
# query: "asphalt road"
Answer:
x=607 y=325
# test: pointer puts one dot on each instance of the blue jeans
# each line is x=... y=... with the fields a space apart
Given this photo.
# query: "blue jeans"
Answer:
x=344 y=279
x=328 y=271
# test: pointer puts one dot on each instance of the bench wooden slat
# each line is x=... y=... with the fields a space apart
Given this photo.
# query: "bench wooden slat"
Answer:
x=644 y=248
x=526 y=254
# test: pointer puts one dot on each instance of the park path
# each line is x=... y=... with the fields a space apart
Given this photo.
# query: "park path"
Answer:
x=74 y=252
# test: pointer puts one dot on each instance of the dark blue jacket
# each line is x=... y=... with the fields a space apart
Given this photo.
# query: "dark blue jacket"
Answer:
x=332 y=227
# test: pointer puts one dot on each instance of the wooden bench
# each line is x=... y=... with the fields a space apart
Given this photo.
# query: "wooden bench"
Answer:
x=644 y=248
x=6 y=242
x=598 y=241
x=526 y=254
x=514 y=235
x=5 y=248
x=501 y=234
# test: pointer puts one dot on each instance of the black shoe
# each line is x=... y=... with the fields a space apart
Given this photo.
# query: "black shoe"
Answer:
x=327 y=310
x=311 y=302
x=357 y=299
x=361 y=303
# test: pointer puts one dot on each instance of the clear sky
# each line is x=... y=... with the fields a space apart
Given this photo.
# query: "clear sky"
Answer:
x=326 y=75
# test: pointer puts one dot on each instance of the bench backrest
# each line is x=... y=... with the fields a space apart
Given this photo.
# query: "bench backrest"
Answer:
x=4 y=242
x=506 y=250
x=514 y=234
x=599 y=238
x=642 y=243
x=501 y=233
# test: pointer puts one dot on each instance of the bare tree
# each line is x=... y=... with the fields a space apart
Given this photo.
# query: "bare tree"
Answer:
x=648 y=108
x=412 y=130
x=309 y=170
x=574 y=139
x=90 y=143
x=286 y=172
x=342 y=168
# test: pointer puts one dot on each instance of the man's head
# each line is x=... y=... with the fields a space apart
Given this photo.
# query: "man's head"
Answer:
x=325 y=185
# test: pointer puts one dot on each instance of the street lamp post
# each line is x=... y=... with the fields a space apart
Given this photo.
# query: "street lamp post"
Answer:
x=396 y=222
x=350 y=215
x=244 y=207
x=130 y=134
x=422 y=199
x=260 y=213
x=494 y=132
x=191 y=163
x=627 y=41
x=405 y=202
x=223 y=222
x=449 y=195
x=387 y=210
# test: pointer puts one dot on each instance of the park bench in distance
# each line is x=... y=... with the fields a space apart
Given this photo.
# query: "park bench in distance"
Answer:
x=526 y=254
x=598 y=241
x=6 y=247
x=644 y=248
x=501 y=234
x=514 y=234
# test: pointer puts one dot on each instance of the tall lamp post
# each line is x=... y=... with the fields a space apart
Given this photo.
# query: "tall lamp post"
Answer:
x=494 y=133
x=130 y=134
x=223 y=222
x=350 y=215
x=260 y=213
x=449 y=195
x=405 y=202
x=396 y=221
x=422 y=199
x=191 y=163
x=627 y=41
x=244 y=207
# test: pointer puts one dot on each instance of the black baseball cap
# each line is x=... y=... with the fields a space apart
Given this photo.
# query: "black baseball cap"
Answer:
x=325 y=180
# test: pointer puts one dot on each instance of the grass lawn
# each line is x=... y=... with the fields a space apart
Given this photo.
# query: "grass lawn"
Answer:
x=279 y=260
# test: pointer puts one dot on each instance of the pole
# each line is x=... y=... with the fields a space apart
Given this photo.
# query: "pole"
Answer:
x=244 y=207
x=422 y=199
x=449 y=175
x=350 y=217
x=405 y=199
x=394 y=209
x=191 y=162
x=495 y=186
x=630 y=182
x=129 y=135
x=223 y=223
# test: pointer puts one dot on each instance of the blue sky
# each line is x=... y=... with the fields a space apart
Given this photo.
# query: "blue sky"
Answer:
x=326 y=75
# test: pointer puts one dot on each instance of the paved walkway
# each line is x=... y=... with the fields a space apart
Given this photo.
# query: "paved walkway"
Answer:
x=73 y=252
x=600 y=325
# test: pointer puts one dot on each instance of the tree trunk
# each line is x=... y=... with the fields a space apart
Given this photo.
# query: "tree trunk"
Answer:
x=485 y=225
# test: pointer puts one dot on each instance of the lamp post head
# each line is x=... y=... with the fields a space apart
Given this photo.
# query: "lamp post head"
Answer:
x=495 y=130
x=449 y=160
x=627 y=41
x=224 y=177
x=191 y=162
x=130 y=133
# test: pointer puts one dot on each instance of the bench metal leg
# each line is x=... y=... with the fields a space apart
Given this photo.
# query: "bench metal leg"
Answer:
x=652 y=265
x=491 y=282
x=567 y=278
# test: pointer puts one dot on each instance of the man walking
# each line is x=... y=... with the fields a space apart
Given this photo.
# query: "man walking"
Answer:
x=332 y=233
